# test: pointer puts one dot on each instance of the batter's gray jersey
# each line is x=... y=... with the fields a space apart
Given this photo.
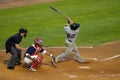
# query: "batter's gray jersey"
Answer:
x=71 y=34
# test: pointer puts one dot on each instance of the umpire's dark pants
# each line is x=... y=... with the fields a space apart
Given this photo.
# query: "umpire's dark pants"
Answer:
x=16 y=56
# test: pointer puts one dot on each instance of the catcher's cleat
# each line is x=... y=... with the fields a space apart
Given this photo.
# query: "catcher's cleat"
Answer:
x=32 y=69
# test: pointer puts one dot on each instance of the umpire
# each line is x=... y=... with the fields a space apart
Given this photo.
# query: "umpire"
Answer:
x=12 y=47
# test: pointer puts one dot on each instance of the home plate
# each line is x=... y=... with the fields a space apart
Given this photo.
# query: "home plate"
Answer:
x=84 y=67
x=71 y=76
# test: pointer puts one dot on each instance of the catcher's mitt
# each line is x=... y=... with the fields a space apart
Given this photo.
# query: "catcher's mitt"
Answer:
x=53 y=60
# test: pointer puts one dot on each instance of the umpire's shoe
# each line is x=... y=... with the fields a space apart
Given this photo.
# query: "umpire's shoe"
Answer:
x=19 y=63
x=11 y=67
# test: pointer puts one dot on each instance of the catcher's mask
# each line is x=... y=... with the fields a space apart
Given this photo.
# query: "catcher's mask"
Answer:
x=74 y=26
x=39 y=42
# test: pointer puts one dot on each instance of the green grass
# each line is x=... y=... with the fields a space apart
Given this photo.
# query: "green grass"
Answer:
x=99 y=19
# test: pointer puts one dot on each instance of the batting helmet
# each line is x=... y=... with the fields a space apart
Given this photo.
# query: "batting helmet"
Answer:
x=38 y=41
x=74 y=26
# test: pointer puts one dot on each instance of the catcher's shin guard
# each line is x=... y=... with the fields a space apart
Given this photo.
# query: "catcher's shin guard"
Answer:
x=36 y=63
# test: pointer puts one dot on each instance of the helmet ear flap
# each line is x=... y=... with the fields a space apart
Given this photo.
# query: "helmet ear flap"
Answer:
x=78 y=25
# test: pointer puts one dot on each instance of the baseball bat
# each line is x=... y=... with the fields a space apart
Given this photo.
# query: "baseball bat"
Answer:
x=57 y=11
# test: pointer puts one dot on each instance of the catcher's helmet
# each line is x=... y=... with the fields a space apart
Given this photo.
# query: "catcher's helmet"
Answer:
x=38 y=41
x=74 y=26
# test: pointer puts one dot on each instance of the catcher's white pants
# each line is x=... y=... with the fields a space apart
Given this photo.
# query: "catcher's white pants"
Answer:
x=29 y=61
x=71 y=46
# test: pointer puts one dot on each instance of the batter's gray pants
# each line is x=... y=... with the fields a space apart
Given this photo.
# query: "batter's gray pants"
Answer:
x=71 y=46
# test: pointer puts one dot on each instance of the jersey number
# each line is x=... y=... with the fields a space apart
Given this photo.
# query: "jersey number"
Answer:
x=70 y=35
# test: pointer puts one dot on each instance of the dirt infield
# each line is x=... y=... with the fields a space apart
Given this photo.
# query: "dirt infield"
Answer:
x=15 y=3
x=104 y=64
x=103 y=61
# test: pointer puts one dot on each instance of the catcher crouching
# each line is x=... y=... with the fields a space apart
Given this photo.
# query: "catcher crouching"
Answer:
x=34 y=55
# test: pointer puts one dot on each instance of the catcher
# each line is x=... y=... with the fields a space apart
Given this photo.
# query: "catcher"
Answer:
x=34 y=55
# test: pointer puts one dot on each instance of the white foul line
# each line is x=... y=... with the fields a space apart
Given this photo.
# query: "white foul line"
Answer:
x=110 y=58
x=95 y=59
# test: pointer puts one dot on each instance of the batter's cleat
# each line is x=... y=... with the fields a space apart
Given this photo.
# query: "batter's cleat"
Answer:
x=53 y=61
x=80 y=59
x=83 y=62
x=56 y=60
x=86 y=62
x=33 y=70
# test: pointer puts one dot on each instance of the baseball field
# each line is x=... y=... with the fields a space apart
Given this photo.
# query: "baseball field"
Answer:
x=98 y=41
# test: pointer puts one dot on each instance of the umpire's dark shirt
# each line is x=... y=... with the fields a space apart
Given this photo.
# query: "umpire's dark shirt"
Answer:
x=15 y=39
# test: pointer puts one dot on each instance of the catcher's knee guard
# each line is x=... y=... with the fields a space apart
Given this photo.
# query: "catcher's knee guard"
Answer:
x=26 y=65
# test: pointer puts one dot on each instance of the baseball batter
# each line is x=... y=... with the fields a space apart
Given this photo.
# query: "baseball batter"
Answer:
x=71 y=30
